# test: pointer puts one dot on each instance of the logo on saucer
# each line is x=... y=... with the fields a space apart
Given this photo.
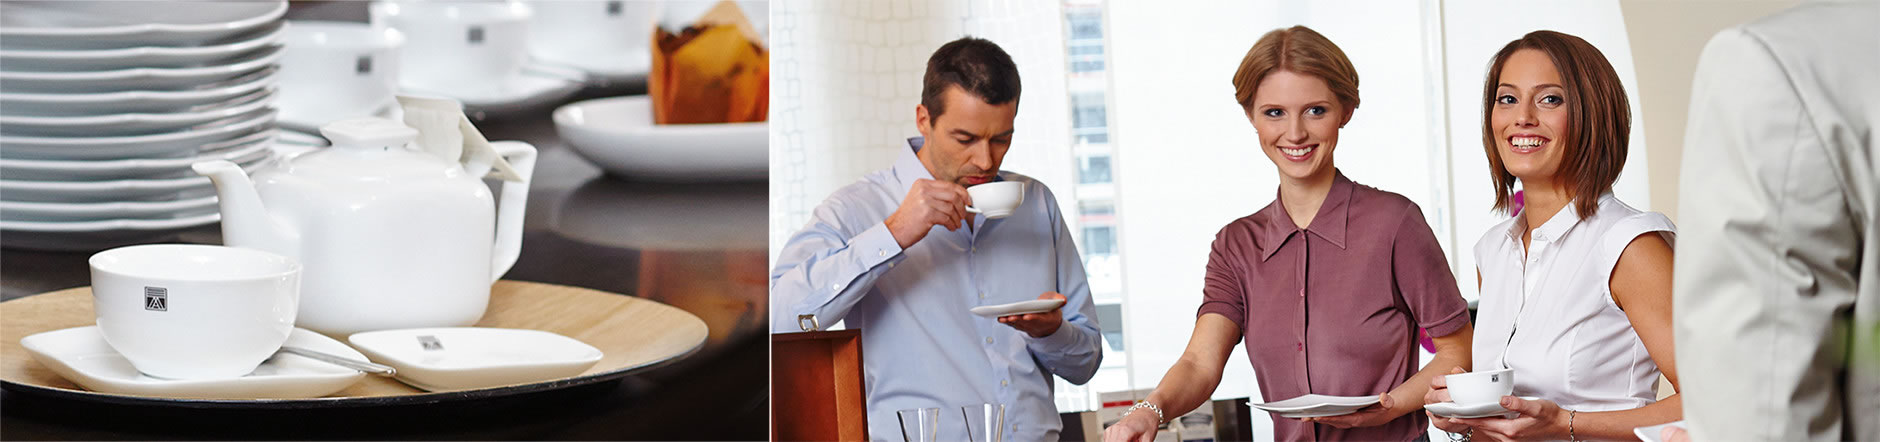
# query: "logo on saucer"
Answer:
x=1494 y=377
x=157 y=299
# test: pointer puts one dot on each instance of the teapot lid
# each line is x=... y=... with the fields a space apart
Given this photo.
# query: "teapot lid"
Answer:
x=368 y=133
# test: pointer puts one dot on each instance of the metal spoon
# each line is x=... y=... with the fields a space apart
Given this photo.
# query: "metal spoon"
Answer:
x=365 y=366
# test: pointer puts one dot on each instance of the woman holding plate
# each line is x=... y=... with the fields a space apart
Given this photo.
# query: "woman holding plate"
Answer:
x=1576 y=288
x=1328 y=283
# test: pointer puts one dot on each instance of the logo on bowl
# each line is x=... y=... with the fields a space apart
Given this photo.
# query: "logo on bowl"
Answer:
x=157 y=299
x=1494 y=377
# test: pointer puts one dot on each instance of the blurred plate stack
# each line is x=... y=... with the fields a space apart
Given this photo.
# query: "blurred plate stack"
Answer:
x=104 y=105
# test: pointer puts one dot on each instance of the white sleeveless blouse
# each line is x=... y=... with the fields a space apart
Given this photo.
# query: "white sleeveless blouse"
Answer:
x=1548 y=312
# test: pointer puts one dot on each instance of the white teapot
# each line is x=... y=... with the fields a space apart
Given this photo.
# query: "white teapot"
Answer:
x=389 y=236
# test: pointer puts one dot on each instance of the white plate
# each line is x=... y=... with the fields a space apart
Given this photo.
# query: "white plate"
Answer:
x=93 y=236
x=138 y=78
x=154 y=145
x=69 y=212
x=464 y=358
x=111 y=190
x=1651 y=433
x=1316 y=405
x=539 y=84
x=1486 y=409
x=240 y=150
x=1018 y=308
x=618 y=135
x=133 y=123
x=119 y=24
x=102 y=103
x=145 y=56
x=82 y=356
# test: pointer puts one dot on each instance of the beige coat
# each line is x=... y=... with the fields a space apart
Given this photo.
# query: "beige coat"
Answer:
x=1777 y=274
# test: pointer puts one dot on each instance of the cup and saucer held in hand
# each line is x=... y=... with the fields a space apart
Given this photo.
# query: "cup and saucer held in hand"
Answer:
x=1478 y=394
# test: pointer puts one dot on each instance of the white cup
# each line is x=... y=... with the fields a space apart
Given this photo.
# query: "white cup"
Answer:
x=996 y=199
x=187 y=311
x=608 y=36
x=337 y=70
x=1480 y=387
x=460 y=48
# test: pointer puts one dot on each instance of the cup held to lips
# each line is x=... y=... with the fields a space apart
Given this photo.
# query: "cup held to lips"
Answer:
x=996 y=199
x=1480 y=387
x=188 y=311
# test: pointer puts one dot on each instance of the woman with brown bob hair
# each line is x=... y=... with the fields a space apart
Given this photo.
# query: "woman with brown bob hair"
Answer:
x=1576 y=288
x=1328 y=284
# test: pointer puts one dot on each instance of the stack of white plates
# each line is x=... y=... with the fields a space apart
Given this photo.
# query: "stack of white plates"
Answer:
x=105 y=104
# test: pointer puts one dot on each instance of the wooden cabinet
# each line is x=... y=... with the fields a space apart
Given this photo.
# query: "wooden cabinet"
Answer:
x=816 y=386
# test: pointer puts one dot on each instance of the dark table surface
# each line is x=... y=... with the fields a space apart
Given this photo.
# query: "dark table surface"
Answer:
x=699 y=247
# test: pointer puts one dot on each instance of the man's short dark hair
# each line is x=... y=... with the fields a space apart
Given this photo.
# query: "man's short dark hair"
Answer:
x=974 y=64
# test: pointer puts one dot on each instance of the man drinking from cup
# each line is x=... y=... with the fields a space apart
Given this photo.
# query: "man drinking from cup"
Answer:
x=905 y=252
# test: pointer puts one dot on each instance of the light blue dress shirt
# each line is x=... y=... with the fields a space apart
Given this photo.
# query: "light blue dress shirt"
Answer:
x=921 y=348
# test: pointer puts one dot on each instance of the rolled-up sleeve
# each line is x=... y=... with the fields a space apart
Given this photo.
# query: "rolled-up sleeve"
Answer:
x=1222 y=292
x=825 y=269
x=1423 y=279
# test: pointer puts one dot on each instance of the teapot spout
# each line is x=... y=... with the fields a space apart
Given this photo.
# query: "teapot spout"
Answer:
x=245 y=222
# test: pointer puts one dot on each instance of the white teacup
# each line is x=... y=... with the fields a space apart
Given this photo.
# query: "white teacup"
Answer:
x=187 y=311
x=996 y=199
x=610 y=36
x=1480 y=387
x=461 y=48
x=337 y=70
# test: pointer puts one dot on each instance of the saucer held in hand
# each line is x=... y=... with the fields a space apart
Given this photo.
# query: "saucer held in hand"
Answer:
x=1018 y=308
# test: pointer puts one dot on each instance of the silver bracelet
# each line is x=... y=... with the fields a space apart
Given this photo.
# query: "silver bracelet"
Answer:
x=1570 y=415
x=1149 y=405
x=1464 y=436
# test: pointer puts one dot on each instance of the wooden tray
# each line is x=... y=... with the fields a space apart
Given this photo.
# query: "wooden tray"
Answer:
x=633 y=334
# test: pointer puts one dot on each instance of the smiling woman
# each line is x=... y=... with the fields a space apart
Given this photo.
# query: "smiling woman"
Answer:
x=1327 y=251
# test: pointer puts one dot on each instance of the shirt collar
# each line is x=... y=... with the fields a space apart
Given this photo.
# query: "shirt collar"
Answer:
x=1329 y=223
x=1556 y=227
x=908 y=168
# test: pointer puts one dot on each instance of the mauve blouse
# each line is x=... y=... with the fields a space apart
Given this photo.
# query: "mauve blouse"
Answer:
x=1334 y=308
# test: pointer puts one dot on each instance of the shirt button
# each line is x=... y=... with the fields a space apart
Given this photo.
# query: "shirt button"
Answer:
x=1301 y=346
x=1003 y=382
x=975 y=249
x=982 y=295
x=988 y=340
x=835 y=286
x=881 y=252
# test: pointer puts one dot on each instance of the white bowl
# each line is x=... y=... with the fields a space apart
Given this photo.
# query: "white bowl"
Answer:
x=155 y=145
x=191 y=311
x=609 y=38
x=337 y=70
x=241 y=150
x=142 y=56
x=464 y=358
x=618 y=134
x=119 y=24
x=138 y=78
x=103 y=103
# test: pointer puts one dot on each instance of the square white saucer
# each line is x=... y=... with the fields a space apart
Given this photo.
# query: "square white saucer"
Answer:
x=82 y=356
x=465 y=358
